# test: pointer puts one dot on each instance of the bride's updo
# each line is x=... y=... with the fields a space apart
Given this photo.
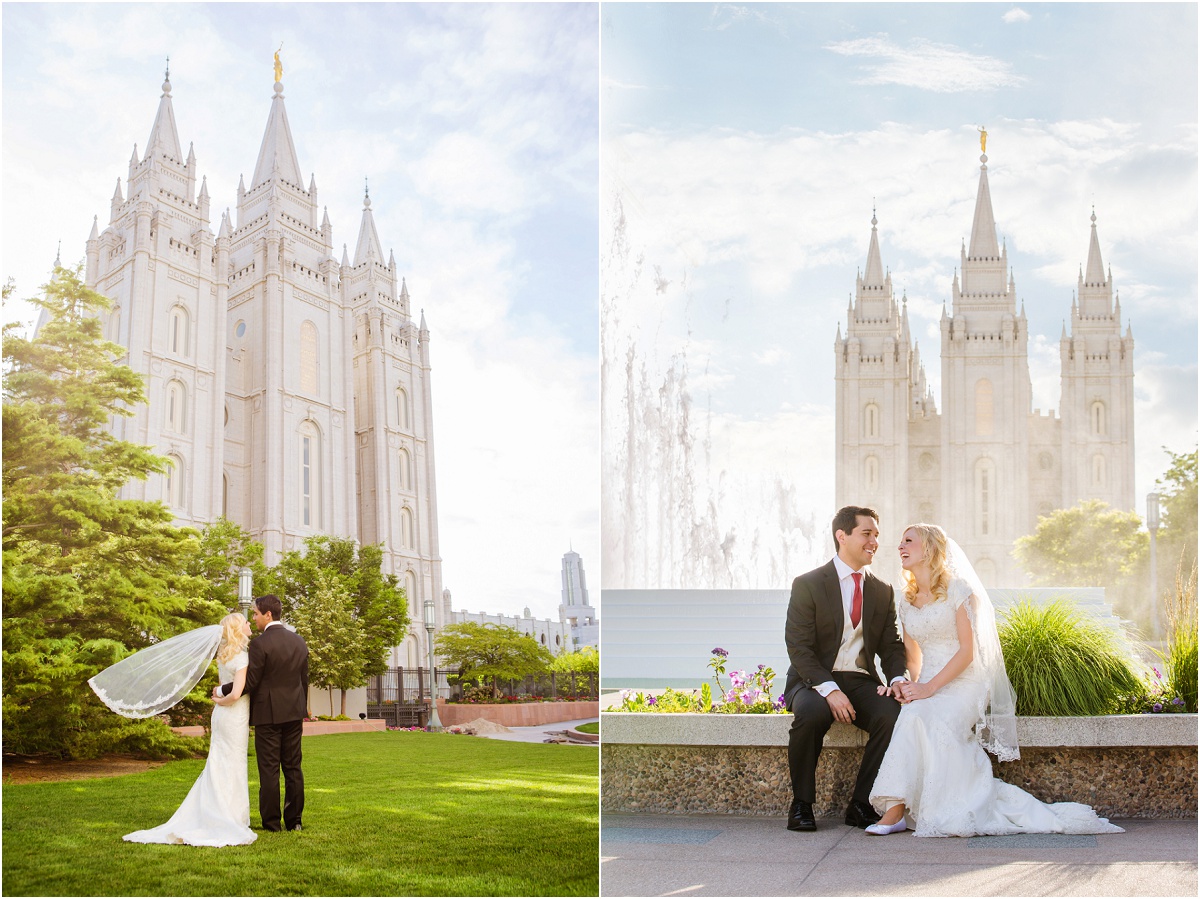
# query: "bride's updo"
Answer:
x=233 y=636
x=934 y=541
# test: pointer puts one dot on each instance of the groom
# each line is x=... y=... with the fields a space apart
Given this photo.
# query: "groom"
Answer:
x=840 y=618
x=277 y=681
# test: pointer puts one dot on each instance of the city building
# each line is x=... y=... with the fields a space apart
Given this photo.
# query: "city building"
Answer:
x=987 y=465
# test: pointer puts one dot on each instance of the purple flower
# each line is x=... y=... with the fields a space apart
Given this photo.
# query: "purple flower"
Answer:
x=1176 y=701
x=761 y=667
x=651 y=701
x=1158 y=706
x=1157 y=673
x=720 y=652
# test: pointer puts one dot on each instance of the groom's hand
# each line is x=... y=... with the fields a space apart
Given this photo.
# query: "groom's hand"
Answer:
x=839 y=704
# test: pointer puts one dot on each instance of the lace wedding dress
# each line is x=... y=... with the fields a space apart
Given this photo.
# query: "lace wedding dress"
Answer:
x=216 y=811
x=935 y=764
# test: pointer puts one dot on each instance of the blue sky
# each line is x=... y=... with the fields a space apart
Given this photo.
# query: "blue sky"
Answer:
x=476 y=126
x=744 y=148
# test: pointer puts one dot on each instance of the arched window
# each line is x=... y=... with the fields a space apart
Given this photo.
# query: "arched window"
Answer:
x=176 y=406
x=310 y=474
x=410 y=591
x=986 y=491
x=984 y=408
x=402 y=409
x=1099 y=471
x=407 y=539
x=986 y=569
x=405 y=470
x=178 y=324
x=174 y=475
x=411 y=652
x=1099 y=419
x=114 y=325
x=309 y=358
x=871 y=420
x=871 y=472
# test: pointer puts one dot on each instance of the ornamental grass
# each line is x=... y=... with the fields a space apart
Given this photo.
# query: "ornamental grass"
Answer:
x=1061 y=663
x=1180 y=670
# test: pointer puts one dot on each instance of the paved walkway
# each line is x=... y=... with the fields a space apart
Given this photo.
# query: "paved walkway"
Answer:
x=709 y=855
x=539 y=733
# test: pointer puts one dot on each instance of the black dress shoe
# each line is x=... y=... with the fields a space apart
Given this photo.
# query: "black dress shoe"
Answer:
x=860 y=814
x=297 y=827
x=801 y=816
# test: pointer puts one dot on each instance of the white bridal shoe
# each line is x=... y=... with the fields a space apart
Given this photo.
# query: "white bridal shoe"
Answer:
x=880 y=830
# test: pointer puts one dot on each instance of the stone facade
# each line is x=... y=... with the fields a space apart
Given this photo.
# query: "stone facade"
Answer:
x=576 y=610
x=290 y=392
x=988 y=464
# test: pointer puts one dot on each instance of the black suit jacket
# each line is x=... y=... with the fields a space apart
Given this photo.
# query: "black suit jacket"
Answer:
x=815 y=620
x=277 y=679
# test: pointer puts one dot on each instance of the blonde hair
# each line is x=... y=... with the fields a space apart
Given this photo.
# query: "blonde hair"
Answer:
x=934 y=542
x=233 y=638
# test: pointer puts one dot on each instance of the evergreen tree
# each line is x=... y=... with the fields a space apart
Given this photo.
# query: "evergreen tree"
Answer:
x=87 y=576
x=337 y=643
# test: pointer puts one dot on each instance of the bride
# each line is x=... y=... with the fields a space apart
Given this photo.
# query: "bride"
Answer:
x=216 y=811
x=959 y=702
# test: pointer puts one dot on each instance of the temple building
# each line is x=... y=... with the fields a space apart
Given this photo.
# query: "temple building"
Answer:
x=290 y=391
x=987 y=465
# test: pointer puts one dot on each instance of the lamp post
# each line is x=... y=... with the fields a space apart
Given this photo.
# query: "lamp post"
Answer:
x=435 y=724
x=245 y=589
x=1152 y=523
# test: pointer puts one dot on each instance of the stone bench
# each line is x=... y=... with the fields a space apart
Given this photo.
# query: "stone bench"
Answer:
x=1124 y=766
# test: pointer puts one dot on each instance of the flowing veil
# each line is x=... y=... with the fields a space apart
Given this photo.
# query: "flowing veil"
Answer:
x=997 y=726
x=155 y=678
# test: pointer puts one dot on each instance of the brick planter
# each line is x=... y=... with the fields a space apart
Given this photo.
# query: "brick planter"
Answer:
x=517 y=714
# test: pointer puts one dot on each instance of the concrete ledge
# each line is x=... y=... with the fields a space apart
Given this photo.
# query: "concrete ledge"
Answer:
x=709 y=729
x=1131 y=766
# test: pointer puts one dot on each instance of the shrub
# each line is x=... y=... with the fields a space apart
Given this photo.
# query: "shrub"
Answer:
x=1061 y=664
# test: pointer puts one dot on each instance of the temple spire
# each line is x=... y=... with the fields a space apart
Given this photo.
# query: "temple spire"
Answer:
x=368 y=240
x=277 y=155
x=164 y=136
x=874 y=275
x=1094 y=274
x=983 y=229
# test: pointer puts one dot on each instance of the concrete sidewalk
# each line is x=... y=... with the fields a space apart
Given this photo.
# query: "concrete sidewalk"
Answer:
x=539 y=733
x=709 y=855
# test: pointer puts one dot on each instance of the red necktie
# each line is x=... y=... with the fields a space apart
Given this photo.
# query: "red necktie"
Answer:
x=856 y=603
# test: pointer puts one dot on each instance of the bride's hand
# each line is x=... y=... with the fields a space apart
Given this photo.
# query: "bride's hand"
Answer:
x=912 y=692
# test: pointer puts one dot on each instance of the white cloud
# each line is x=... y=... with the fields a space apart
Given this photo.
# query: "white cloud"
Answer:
x=923 y=64
x=1016 y=14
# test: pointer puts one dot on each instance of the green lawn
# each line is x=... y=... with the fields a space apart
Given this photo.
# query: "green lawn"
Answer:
x=386 y=814
x=592 y=727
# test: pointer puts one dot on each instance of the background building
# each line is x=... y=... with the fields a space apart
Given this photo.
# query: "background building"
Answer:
x=576 y=610
x=988 y=464
x=289 y=391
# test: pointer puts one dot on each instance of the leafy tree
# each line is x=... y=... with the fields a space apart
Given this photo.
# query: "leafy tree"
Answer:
x=378 y=605
x=87 y=576
x=585 y=660
x=223 y=550
x=1177 y=535
x=337 y=643
x=491 y=651
x=1088 y=545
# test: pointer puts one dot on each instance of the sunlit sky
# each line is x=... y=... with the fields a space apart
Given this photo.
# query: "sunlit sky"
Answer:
x=476 y=126
x=747 y=146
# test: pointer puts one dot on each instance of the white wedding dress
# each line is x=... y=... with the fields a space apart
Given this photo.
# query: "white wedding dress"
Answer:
x=935 y=764
x=216 y=811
